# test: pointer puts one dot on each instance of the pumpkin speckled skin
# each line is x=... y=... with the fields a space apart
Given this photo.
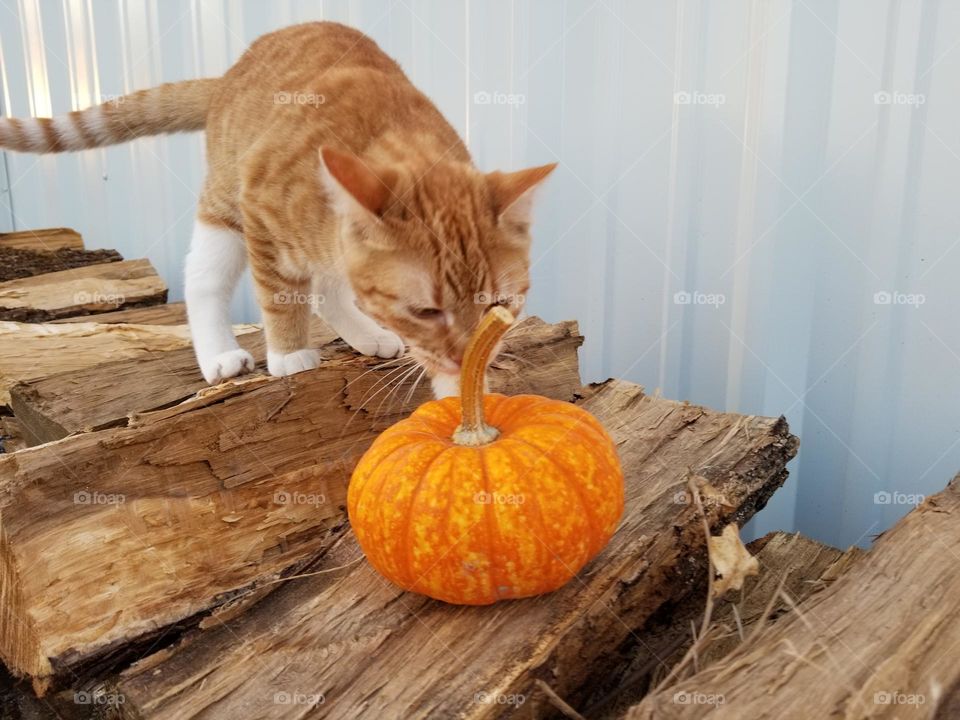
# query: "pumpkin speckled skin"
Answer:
x=516 y=517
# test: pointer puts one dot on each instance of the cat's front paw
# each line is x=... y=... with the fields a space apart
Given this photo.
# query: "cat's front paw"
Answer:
x=227 y=364
x=384 y=344
x=283 y=364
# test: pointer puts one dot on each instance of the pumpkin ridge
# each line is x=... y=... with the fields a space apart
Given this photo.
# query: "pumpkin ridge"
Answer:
x=451 y=413
x=544 y=530
x=536 y=501
x=520 y=407
x=491 y=522
x=406 y=531
x=593 y=524
x=594 y=435
x=583 y=419
x=373 y=470
x=445 y=533
x=612 y=469
x=421 y=435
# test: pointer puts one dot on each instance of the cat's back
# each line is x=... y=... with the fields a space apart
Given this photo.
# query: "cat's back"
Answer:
x=304 y=54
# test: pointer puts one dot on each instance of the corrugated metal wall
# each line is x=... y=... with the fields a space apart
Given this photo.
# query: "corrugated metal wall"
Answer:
x=756 y=208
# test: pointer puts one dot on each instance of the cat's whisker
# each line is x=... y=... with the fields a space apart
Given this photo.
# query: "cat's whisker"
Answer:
x=506 y=270
x=404 y=360
x=368 y=397
x=395 y=389
x=385 y=381
x=413 y=388
x=381 y=385
x=386 y=388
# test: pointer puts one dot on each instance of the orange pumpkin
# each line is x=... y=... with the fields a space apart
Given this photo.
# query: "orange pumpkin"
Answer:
x=497 y=497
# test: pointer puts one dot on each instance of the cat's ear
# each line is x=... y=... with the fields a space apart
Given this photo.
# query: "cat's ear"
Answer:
x=513 y=192
x=355 y=186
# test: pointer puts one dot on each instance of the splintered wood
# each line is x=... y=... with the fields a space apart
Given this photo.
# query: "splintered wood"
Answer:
x=110 y=537
x=44 y=240
x=39 y=350
x=81 y=291
x=881 y=641
x=360 y=647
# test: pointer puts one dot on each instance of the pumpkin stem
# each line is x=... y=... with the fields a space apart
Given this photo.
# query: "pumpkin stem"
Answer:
x=473 y=428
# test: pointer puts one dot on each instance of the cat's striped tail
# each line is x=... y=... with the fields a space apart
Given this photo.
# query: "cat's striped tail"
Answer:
x=169 y=108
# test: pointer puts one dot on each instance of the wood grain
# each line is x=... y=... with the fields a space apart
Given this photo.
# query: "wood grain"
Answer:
x=357 y=647
x=104 y=395
x=110 y=537
x=169 y=314
x=81 y=291
x=802 y=565
x=34 y=350
x=880 y=642
x=44 y=240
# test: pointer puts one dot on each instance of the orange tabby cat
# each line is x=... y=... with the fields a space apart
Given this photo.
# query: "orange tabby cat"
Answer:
x=341 y=184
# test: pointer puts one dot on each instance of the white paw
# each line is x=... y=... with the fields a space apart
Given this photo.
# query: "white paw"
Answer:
x=445 y=385
x=226 y=365
x=384 y=344
x=281 y=365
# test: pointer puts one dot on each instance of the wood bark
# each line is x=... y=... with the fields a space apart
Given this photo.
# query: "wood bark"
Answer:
x=169 y=314
x=880 y=642
x=81 y=291
x=111 y=537
x=17 y=263
x=35 y=350
x=804 y=566
x=117 y=382
x=347 y=644
x=44 y=240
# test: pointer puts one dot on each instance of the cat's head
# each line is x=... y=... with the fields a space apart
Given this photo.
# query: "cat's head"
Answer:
x=428 y=251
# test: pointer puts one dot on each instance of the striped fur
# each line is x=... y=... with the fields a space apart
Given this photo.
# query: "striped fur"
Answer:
x=327 y=169
x=169 y=108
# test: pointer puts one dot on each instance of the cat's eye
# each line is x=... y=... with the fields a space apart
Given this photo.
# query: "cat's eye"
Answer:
x=426 y=313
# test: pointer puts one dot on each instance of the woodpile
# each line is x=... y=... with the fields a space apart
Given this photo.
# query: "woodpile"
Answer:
x=196 y=503
x=170 y=550
x=880 y=642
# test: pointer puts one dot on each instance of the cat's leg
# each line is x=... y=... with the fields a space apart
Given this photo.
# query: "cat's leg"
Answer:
x=213 y=266
x=359 y=331
x=284 y=303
